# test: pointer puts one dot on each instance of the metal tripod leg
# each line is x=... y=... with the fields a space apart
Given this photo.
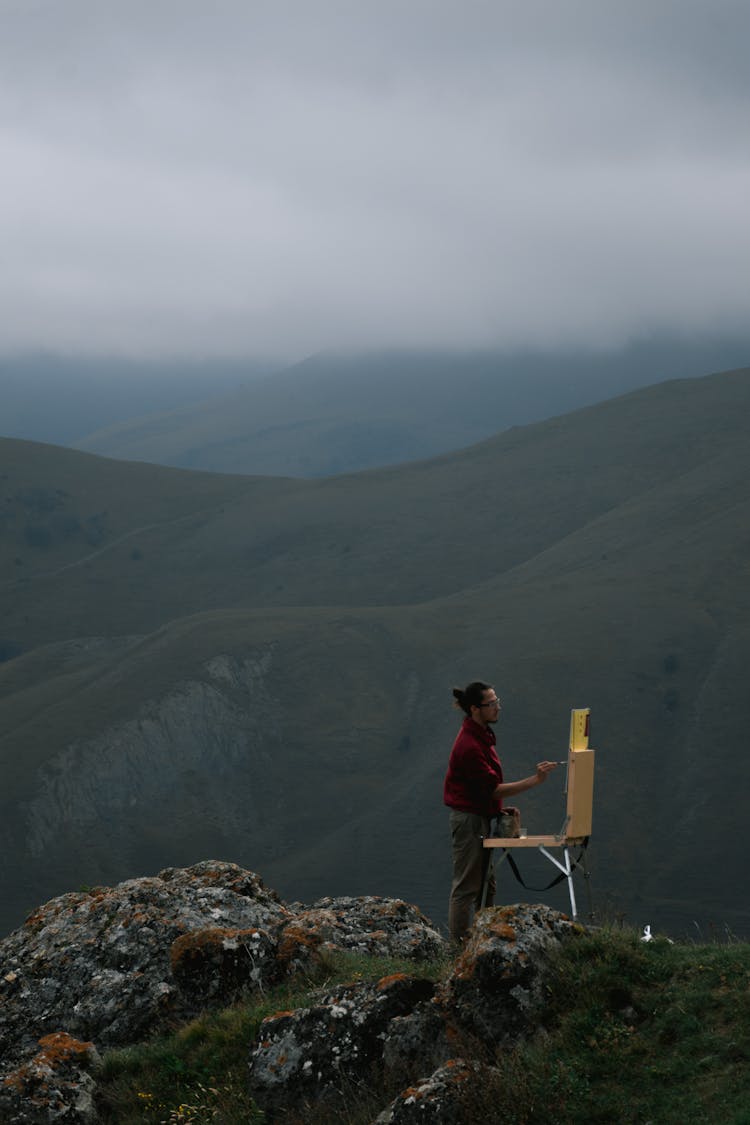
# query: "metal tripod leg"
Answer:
x=488 y=873
x=587 y=884
x=567 y=871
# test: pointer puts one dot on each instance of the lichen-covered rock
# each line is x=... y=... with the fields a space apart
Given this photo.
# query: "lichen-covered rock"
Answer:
x=419 y=1042
x=454 y=1095
x=96 y=964
x=315 y=1054
x=495 y=989
x=492 y=997
x=56 y=1084
x=368 y=925
x=113 y=964
x=299 y=947
x=373 y=925
x=219 y=963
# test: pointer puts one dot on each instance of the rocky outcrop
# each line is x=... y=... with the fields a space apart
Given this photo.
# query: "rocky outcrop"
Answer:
x=494 y=993
x=108 y=966
x=100 y=964
x=438 y=1042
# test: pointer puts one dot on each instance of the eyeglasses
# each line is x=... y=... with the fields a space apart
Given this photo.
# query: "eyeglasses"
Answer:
x=492 y=703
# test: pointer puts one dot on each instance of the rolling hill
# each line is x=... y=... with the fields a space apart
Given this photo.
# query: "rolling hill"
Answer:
x=260 y=669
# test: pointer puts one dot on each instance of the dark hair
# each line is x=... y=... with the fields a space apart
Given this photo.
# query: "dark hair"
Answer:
x=471 y=696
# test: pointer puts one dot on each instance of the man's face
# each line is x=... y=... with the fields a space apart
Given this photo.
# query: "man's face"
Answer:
x=489 y=711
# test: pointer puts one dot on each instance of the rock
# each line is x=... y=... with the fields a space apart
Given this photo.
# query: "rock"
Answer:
x=418 y=1043
x=113 y=964
x=368 y=925
x=218 y=964
x=96 y=964
x=492 y=997
x=107 y=967
x=313 y=1055
x=495 y=989
x=298 y=950
x=373 y=925
x=454 y=1095
x=55 y=1085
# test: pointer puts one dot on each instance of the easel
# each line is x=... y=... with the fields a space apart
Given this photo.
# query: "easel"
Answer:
x=576 y=828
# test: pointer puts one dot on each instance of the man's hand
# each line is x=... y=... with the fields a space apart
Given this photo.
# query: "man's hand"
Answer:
x=543 y=768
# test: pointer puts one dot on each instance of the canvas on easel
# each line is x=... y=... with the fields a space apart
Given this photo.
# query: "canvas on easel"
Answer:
x=580 y=780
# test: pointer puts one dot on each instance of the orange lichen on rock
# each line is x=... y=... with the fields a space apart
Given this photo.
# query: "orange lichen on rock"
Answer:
x=43 y=915
x=503 y=930
x=58 y=1048
x=297 y=938
x=194 y=944
x=412 y=1093
x=455 y=1064
x=385 y=982
x=464 y=966
x=61 y=1047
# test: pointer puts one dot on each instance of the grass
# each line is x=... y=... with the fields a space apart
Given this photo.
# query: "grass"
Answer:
x=632 y=1032
x=636 y=1032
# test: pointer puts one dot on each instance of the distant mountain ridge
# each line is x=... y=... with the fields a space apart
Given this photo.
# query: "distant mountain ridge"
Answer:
x=335 y=413
x=59 y=398
x=260 y=668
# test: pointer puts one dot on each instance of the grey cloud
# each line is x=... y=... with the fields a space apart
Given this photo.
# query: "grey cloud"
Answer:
x=238 y=177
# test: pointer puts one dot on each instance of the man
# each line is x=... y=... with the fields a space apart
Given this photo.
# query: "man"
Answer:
x=474 y=790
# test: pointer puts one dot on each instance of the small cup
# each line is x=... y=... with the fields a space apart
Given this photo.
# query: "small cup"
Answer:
x=523 y=833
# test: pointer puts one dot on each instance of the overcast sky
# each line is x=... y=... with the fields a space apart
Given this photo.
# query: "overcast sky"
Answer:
x=237 y=177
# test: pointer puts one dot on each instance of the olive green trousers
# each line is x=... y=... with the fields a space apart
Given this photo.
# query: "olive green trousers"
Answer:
x=470 y=863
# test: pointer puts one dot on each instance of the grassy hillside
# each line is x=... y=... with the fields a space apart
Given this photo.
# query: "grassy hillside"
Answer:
x=167 y=543
x=260 y=669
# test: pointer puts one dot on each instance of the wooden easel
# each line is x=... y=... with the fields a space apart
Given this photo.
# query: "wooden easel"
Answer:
x=576 y=828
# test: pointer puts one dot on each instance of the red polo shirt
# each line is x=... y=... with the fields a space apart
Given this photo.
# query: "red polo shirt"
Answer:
x=474 y=771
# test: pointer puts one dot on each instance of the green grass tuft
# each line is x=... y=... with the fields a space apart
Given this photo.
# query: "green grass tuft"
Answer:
x=635 y=1032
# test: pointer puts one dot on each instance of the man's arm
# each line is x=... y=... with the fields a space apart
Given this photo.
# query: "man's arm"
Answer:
x=510 y=788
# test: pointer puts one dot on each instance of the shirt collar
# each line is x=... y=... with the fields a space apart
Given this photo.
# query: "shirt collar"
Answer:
x=486 y=734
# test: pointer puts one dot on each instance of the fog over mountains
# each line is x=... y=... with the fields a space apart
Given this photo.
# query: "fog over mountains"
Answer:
x=59 y=398
x=341 y=413
x=259 y=669
x=332 y=412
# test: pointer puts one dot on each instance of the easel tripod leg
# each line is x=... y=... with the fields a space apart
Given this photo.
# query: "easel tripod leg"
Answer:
x=587 y=881
x=567 y=871
x=571 y=889
x=487 y=877
x=489 y=872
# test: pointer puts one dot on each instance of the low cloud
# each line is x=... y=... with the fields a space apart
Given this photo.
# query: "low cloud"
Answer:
x=244 y=178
